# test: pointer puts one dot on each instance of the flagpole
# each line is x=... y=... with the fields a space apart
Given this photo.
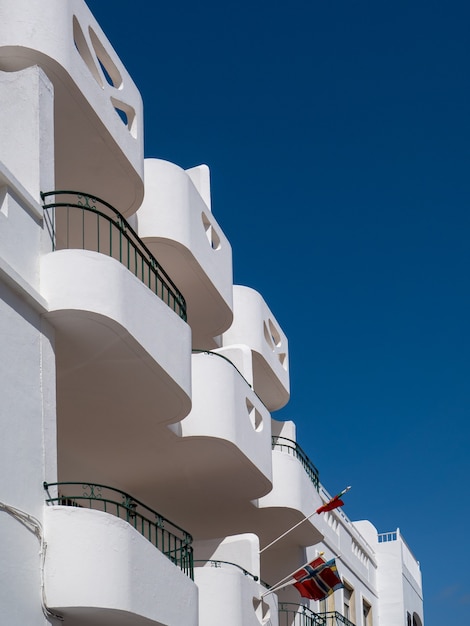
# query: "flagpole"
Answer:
x=287 y=532
x=320 y=509
x=277 y=588
x=280 y=585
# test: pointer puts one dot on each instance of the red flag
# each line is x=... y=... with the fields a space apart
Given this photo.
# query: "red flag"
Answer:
x=334 y=503
x=318 y=579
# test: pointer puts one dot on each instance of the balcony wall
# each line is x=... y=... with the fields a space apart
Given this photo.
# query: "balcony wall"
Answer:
x=100 y=570
x=214 y=462
x=255 y=326
x=123 y=367
x=228 y=591
x=176 y=223
x=227 y=409
x=292 y=498
x=93 y=93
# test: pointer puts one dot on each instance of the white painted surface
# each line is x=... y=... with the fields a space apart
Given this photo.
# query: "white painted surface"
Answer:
x=255 y=325
x=27 y=451
x=227 y=596
x=398 y=577
x=225 y=407
x=96 y=152
x=243 y=550
x=26 y=140
x=293 y=490
x=98 y=563
x=177 y=224
x=101 y=287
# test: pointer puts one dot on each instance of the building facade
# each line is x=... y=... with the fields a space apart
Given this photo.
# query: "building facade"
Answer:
x=142 y=473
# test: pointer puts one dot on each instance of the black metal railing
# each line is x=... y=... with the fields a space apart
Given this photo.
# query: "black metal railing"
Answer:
x=218 y=563
x=333 y=618
x=291 y=614
x=225 y=358
x=85 y=222
x=173 y=541
x=292 y=447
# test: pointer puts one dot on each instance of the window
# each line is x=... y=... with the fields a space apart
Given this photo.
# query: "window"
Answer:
x=366 y=614
x=348 y=602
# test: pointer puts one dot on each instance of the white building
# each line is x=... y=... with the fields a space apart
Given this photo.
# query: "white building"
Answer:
x=123 y=404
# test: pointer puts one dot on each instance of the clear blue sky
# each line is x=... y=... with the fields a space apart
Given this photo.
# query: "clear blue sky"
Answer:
x=338 y=137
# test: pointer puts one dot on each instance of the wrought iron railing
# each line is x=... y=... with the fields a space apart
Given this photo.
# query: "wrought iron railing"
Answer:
x=333 y=618
x=82 y=221
x=221 y=356
x=218 y=563
x=173 y=541
x=292 y=447
x=291 y=614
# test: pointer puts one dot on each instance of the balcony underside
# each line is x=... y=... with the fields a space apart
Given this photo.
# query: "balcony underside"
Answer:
x=207 y=486
x=95 y=148
x=122 y=366
x=209 y=314
x=86 y=155
x=201 y=483
x=111 y=401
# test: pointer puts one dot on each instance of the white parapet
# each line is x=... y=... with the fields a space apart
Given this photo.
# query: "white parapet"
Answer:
x=292 y=499
x=211 y=465
x=98 y=109
x=100 y=569
x=227 y=574
x=176 y=223
x=255 y=326
x=225 y=408
x=123 y=365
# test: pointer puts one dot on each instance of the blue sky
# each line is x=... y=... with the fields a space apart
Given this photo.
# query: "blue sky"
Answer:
x=338 y=137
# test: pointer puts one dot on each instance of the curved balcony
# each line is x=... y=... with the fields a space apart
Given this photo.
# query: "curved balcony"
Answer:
x=219 y=563
x=99 y=569
x=230 y=595
x=255 y=326
x=97 y=125
x=177 y=225
x=84 y=222
x=123 y=349
x=293 y=498
x=292 y=447
x=170 y=539
x=219 y=457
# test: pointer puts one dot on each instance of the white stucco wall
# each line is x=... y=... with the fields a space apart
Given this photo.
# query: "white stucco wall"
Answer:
x=255 y=326
x=64 y=39
x=176 y=223
x=27 y=129
x=220 y=409
x=97 y=285
x=229 y=597
x=399 y=583
x=99 y=563
x=27 y=450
